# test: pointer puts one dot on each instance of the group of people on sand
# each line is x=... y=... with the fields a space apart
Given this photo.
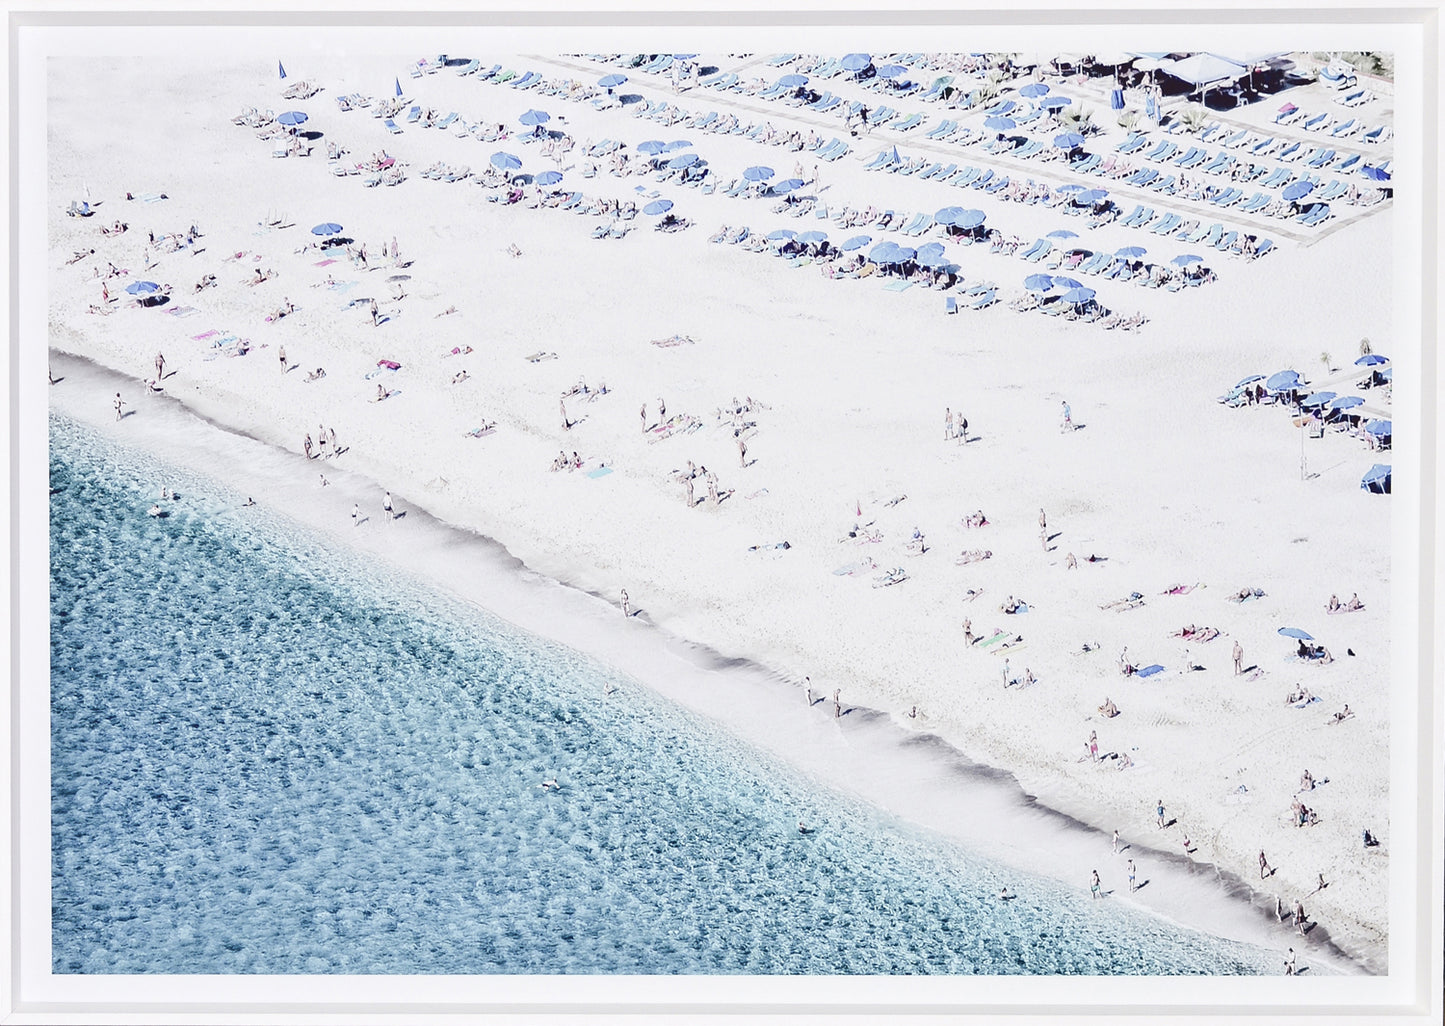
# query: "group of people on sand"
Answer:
x=1334 y=606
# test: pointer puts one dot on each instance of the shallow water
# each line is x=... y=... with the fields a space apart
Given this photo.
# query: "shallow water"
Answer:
x=269 y=756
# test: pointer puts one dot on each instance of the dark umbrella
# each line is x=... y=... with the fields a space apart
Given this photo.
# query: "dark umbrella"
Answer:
x=758 y=173
x=329 y=228
x=1068 y=140
x=1038 y=283
x=656 y=207
x=506 y=161
x=1371 y=360
x=1034 y=90
x=535 y=117
x=683 y=160
x=1298 y=190
x=856 y=61
x=856 y=242
x=1295 y=632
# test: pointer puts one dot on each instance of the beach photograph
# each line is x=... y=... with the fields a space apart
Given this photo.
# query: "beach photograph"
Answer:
x=529 y=519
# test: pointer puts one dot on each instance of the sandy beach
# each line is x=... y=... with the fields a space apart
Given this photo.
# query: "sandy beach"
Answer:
x=838 y=388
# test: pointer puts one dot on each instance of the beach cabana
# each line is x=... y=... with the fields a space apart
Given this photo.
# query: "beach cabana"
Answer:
x=1203 y=71
x=1377 y=479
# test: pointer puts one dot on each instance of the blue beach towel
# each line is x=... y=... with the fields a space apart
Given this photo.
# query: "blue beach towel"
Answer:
x=1149 y=671
x=599 y=472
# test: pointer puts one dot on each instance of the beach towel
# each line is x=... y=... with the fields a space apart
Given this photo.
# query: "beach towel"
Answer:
x=1149 y=671
x=757 y=494
x=599 y=472
x=999 y=636
x=1179 y=589
x=326 y=263
x=849 y=569
x=205 y=335
x=898 y=286
x=152 y=197
x=182 y=311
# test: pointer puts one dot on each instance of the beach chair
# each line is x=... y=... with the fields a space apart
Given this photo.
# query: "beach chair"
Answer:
x=1316 y=122
x=1345 y=129
x=392 y=126
x=1237 y=139
x=1321 y=159
x=1317 y=214
x=1219 y=164
x=1264 y=146
x=950 y=304
x=1291 y=153
x=1262 y=247
x=1336 y=77
x=982 y=180
x=1377 y=134
x=1211 y=236
x=1356 y=98
x=413 y=115
x=1029 y=149
x=1334 y=190
x=1255 y=203
x=1143 y=176
x=942 y=129
x=1167 y=224
x=1161 y=151
x=1210 y=131
x=1163 y=185
x=909 y=123
x=1348 y=164
x=447 y=121
x=1190 y=157
x=1039 y=250
x=1226 y=240
x=984 y=299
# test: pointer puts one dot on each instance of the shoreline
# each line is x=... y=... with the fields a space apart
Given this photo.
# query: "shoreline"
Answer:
x=907 y=772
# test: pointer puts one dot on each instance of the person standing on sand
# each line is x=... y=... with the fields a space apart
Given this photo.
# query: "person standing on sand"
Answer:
x=386 y=507
x=1300 y=918
x=306 y=445
x=691 y=500
x=1068 y=416
x=1005 y=672
x=742 y=453
x=119 y=402
x=1278 y=909
x=1159 y=813
x=566 y=424
x=1131 y=876
x=1116 y=842
x=1289 y=964
x=626 y=604
x=661 y=411
x=1264 y=869
x=808 y=690
x=355 y=514
x=374 y=314
x=947 y=423
x=1094 y=884
x=331 y=438
x=643 y=414
x=1238 y=659
x=837 y=703
x=160 y=366
x=282 y=355
x=1070 y=563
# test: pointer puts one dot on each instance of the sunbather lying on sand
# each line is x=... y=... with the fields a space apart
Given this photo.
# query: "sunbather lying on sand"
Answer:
x=1245 y=594
x=317 y=374
x=1013 y=605
x=973 y=556
x=975 y=519
x=1342 y=715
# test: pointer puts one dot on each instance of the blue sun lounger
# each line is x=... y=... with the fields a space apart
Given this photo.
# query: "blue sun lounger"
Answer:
x=392 y=126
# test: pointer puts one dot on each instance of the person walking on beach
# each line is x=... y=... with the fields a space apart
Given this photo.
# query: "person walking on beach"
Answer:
x=1006 y=681
x=643 y=414
x=626 y=604
x=566 y=424
x=1238 y=659
x=1094 y=884
x=282 y=355
x=1116 y=842
x=331 y=439
x=961 y=425
x=1068 y=416
x=1289 y=964
x=119 y=402
x=808 y=690
x=1159 y=813
x=947 y=423
x=355 y=514
x=1300 y=919
x=691 y=500
x=160 y=366
x=386 y=507
x=742 y=453
x=661 y=411
x=306 y=445
x=1264 y=870
x=837 y=703
x=1278 y=909
x=320 y=440
x=1131 y=876
x=375 y=313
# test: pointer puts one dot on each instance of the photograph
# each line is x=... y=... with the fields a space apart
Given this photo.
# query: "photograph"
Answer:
x=832 y=507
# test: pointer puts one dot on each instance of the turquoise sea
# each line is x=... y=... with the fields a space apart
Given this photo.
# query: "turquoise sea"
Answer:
x=270 y=756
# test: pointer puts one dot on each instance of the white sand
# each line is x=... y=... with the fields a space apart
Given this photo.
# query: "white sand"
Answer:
x=1170 y=486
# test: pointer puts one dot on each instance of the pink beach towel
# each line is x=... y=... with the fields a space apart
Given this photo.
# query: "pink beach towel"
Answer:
x=205 y=335
x=326 y=263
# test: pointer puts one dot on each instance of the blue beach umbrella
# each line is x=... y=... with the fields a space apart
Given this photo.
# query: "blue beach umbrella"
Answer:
x=281 y=68
x=1371 y=360
x=675 y=145
x=292 y=118
x=1295 y=632
x=1131 y=252
x=1055 y=102
x=758 y=173
x=930 y=251
x=398 y=86
x=1068 y=140
x=1374 y=427
x=856 y=242
x=1072 y=187
x=1034 y=90
x=683 y=56
x=1061 y=282
x=782 y=235
x=793 y=81
x=856 y=61
x=969 y=219
x=1000 y=124
x=1078 y=295
x=506 y=161
x=327 y=228
x=1249 y=380
x=787 y=186
x=1317 y=399
x=1185 y=259
x=651 y=146
x=1038 y=283
x=1346 y=402
x=1063 y=233
x=1092 y=196
x=656 y=207
x=903 y=253
x=535 y=117
x=811 y=238
x=892 y=71
x=1377 y=478
x=611 y=81
x=947 y=215
x=883 y=253
x=683 y=160
x=142 y=288
x=548 y=178
x=1298 y=190
x=1388 y=374
x=1282 y=380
